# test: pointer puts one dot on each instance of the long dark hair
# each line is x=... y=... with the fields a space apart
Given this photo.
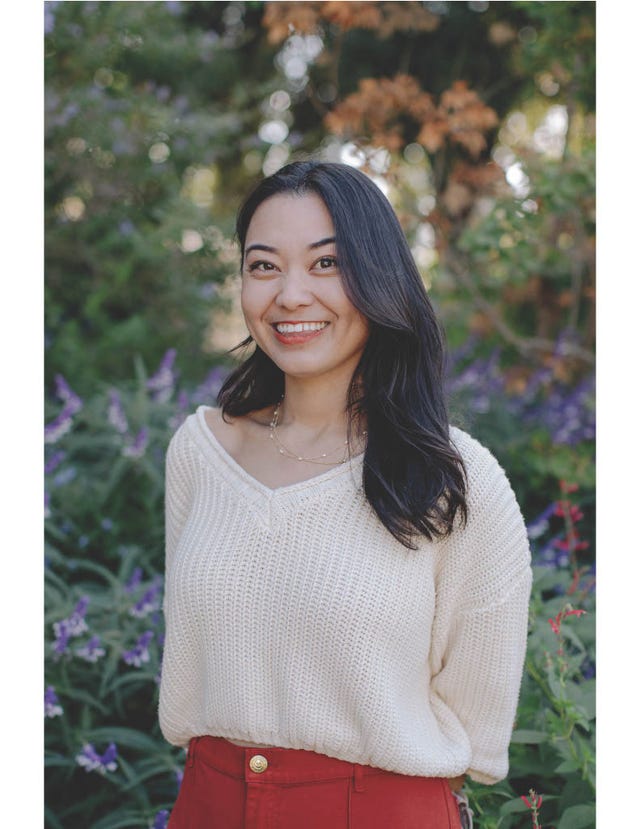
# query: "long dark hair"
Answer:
x=413 y=477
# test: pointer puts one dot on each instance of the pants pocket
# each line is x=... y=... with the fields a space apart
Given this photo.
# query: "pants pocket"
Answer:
x=404 y=802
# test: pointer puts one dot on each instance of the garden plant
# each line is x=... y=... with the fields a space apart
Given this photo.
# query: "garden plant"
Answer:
x=477 y=121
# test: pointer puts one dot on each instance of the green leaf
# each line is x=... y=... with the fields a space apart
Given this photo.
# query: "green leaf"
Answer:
x=567 y=766
x=128 y=737
x=121 y=819
x=581 y=816
x=513 y=806
x=526 y=736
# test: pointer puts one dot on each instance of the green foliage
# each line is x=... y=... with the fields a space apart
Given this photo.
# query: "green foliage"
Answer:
x=104 y=560
x=152 y=119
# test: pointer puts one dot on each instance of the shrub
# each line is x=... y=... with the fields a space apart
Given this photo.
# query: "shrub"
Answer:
x=107 y=765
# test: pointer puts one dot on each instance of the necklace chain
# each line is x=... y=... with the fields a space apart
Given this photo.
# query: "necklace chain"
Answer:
x=320 y=459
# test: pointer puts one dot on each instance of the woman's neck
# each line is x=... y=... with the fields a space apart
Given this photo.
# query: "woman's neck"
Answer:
x=314 y=406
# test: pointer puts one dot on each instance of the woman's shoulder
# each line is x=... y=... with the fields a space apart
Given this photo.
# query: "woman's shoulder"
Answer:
x=476 y=457
x=487 y=481
x=208 y=427
x=493 y=543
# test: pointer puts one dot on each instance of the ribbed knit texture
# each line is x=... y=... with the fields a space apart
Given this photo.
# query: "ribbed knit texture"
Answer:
x=295 y=619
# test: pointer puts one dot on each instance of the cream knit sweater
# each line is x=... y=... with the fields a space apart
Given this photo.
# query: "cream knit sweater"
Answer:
x=294 y=618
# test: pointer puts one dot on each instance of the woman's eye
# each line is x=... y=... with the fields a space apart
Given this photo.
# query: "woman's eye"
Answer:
x=259 y=265
x=326 y=262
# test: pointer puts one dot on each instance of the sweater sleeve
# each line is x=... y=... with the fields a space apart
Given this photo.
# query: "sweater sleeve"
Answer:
x=178 y=493
x=480 y=629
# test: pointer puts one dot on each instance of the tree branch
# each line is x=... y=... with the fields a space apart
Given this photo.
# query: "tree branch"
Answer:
x=525 y=345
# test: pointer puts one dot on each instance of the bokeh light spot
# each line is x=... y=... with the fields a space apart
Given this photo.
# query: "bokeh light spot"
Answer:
x=159 y=152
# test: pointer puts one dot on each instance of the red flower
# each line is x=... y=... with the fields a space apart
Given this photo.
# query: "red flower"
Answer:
x=573 y=612
x=535 y=802
x=557 y=622
x=567 y=487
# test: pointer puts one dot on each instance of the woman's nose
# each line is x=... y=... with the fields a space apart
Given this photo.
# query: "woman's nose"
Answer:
x=294 y=291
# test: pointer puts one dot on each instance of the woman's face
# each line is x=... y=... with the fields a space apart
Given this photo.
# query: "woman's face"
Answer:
x=292 y=296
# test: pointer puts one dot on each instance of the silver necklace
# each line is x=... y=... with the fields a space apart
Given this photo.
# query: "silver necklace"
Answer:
x=282 y=449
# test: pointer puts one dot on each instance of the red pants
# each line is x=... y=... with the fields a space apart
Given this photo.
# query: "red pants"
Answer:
x=229 y=787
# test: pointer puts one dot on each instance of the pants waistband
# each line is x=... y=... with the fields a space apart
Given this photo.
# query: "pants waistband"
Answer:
x=283 y=765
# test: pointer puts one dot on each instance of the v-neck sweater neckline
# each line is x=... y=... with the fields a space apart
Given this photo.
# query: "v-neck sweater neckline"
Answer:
x=215 y=453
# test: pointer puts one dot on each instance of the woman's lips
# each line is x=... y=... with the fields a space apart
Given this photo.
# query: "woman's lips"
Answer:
x=297 y=337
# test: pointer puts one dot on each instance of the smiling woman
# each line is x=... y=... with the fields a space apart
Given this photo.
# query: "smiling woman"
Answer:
x=347 y=575
x=293 y=300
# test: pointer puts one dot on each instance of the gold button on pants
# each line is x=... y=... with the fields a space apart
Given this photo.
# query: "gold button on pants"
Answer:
x=258 y=763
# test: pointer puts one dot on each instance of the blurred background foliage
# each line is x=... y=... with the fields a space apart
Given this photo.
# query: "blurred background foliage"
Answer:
x=477 y=121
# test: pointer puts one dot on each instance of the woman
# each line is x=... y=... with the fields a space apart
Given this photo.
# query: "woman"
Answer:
x=347 y=575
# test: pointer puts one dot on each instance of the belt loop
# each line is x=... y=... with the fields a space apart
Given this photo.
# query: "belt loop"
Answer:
x=358 y=777
x=191 y=753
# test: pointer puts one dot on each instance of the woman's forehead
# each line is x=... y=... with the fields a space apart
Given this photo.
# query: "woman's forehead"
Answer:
x=290 y=217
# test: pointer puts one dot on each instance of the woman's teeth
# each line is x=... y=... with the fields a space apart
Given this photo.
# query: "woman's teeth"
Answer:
x=291 y=328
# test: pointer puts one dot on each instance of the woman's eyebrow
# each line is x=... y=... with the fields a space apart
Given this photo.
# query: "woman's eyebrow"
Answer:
x=328 y=241
x=258 y=246
x=319 y=244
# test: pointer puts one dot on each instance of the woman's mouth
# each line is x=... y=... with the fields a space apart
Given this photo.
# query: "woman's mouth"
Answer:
x=295 y=333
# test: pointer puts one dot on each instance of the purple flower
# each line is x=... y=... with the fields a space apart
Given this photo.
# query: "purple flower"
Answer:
x=92 y=650
x=115 y=413
x=211 y=386
x=163 y=381
x=92 y=761
x=161 y=819
x=72 y=626
x=540 y=525
x=181 y=414
x=64 y=421
x=149 y=602
x=65 y=476
x=134 y=580
x=49 y=18
x=138 y=447
x=52 y=707
x=70 y=399
x=54 y=462
x=61 y=643
x=140 y=651
x=106 y=524
x=59 y=426
x=77 y=624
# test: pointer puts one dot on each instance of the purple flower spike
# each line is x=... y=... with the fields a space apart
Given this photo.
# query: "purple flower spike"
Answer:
x=115 y=414
x=148 y=603
x=163 y=381
x=92 y=651
x=54 y=462
x=52 y=707
x=58 y=427
x=540 y=525
x=134 y=580
x=70 y=399
x=76 y=622
x=211 y=386
x=65 y=476
x=61 y=644
x=161 y=819
x=92 y=761
x=139 y=654
x=139 y=445
x=74 y=625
